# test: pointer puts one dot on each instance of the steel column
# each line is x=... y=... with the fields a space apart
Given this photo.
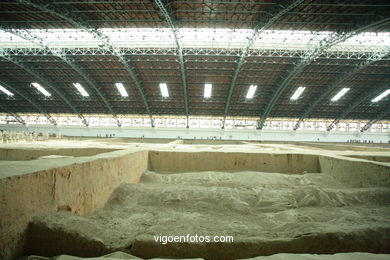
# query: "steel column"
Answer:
x=379 y=117
x=368 y=94
x=14 y=114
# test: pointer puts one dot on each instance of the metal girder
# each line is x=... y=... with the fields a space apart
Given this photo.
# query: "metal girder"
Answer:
x=220 y=53
x=368 y=94
x=260 y=27
x=169 y=19
x=63 y=96
x=31 y=100
x=311 y=55
x=74 y=19
x=357 y=68
x=14 y=114
x=27 y=35
x=379 y=117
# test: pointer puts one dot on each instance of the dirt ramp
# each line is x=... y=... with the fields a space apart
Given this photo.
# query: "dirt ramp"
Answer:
x=328 y=243
x=49 y=237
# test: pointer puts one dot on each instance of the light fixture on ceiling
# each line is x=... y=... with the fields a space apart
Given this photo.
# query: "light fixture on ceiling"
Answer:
x=81 y=89
x=207 y=90
x=340 y=94
x=41 y=89
x=6 y=91
x=251 y=91
x=121 y=89
x=297 y=93
x=164 y=90
x=381 y=96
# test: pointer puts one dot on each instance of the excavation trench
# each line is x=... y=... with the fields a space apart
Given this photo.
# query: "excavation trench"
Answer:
x=268 y=202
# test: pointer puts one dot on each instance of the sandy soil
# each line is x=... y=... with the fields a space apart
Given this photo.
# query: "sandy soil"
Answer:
x=341 y=256
x=266 y=213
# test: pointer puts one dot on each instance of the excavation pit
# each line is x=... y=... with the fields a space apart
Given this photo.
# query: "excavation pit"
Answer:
x=270 y=202
x=265 y=213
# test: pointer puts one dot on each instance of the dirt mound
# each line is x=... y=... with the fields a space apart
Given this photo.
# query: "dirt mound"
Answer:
x=265 y=213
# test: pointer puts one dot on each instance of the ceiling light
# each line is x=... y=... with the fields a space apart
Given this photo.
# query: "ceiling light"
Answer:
x=6 y=91
x=251 y=91
x=81 y=89
x=121 y=89
x=41 y=89
x=297 y=93
x=381 y=96
x=207 y=90
x=340 y=94
x=164 y=89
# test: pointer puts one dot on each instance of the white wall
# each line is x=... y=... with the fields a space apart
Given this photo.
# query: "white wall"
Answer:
x=227 y=134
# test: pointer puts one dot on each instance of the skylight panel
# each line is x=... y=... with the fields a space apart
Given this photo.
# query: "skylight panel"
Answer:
x=297 y=93
x=340 y=94
x=195 y=38
x=6 y=91
x=207 y=90
x=121 y=89
x=41 y=89
x=164 y=90
x=251 y=91
x=381 y=96
x=81 y=89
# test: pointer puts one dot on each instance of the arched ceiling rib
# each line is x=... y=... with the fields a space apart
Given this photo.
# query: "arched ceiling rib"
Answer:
x=48 y=83
x=311 y=43
x=168 y=16
x=378 y=117
x=31 y=100
x=27 y=35
x=14 y=114
x=67 y=15
x=311 y=55
x=260 y=28
x=359 y=67
x=368 y=94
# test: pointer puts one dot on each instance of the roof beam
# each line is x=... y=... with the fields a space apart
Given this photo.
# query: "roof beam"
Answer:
x=62 y=95
x=74 y=19
x=169 y=18
x=31 y=100
x=27 y=35
x=368 y=94
x=14 y=114
x=379 y=117
x=260 y=27
x=333 y=39
x=357 y=68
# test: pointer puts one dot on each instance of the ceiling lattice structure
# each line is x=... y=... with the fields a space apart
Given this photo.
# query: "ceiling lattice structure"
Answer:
x=322 y=45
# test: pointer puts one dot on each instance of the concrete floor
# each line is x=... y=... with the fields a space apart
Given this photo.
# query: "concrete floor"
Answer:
x=273 y=197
